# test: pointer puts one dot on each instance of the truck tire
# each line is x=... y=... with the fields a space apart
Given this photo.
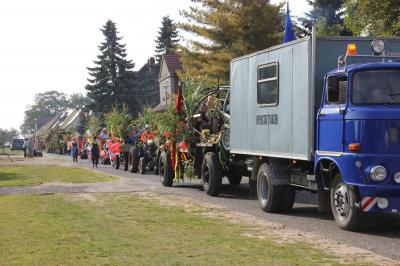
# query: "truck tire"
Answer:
x=288 y=197
x=134 y=160
x=211 y=174
x=165 y=170
x=142 y=165
x=347 y=216
x=269 y=195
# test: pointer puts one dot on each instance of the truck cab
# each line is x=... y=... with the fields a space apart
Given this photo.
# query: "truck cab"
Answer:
x=357 y=138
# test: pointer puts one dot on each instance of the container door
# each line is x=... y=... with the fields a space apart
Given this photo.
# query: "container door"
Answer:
x=331 y=115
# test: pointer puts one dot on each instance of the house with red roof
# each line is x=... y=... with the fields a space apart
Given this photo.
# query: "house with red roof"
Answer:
x=168 y=78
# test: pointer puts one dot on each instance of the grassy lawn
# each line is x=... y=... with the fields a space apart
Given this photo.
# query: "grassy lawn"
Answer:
x=7 y=151
x=123 y=229
x=22 y=175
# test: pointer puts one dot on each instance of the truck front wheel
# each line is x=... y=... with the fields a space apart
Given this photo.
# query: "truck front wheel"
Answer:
x=347 y=215
x=269 y=195
x=211 y=174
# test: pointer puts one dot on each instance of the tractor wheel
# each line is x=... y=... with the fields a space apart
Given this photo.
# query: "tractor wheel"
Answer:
x=134 y=160
x=156 y=165
x=165 y=170
x=211 y=174
x=117 y=162
x=142 y=165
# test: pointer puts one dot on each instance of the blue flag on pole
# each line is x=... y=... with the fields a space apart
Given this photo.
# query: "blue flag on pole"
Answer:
x=289 y=33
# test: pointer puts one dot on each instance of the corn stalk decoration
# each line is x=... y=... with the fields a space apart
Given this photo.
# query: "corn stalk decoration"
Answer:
x=119 y=122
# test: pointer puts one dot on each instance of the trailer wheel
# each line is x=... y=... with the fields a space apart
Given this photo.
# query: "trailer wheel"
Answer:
x=269 y=195
x=165 y=170
x=347 y=216
x=142 y=165
x=211 y=174
x=288 y=197
x=134 y=160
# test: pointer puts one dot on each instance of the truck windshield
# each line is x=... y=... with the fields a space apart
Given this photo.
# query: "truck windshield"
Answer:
x=376 y=87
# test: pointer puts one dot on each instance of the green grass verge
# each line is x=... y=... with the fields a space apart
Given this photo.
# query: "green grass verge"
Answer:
x=122 y=229
x=7 y=151
x=23 y=175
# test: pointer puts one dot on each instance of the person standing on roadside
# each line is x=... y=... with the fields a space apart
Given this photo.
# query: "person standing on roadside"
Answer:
x=29 y=148
x=74 y=150
x=95 y=152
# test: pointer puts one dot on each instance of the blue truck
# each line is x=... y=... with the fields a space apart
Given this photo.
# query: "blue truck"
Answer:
x=320 y=114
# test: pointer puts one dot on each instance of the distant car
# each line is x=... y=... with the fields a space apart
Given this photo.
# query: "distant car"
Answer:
x=17 y=144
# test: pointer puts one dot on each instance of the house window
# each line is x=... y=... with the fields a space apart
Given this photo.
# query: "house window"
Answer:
x=267 y=84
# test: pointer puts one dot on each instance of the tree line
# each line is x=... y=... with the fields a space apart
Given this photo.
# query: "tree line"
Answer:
x=222 y=30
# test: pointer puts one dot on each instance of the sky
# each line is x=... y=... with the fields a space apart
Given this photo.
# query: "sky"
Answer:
x=47 y=44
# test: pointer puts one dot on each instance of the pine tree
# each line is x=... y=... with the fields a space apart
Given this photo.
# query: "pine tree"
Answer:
x=167 y=39
x=112 y=81
x=328 y=15
x=229 y=28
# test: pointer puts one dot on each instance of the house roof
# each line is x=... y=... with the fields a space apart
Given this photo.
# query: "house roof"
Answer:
x=72 y=116
x=173 y=62
x=46 y=127
x=160 y=108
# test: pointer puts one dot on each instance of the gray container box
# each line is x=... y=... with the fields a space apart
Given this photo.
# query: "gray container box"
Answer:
x=285 y=129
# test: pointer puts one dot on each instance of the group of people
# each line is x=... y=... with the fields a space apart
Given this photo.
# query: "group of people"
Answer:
x=28 y=147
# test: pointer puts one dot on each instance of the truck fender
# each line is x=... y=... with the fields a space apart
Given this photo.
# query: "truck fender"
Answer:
x=325 y=170
x=281 y=171
x=257 y=161
x=279 y=168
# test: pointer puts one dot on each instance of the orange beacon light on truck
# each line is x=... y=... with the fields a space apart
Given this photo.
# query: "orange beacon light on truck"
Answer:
x=351 y=49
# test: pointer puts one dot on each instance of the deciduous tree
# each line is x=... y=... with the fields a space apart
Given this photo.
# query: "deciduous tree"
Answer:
x=227 y=29
x=45 y=104
x=371 y=17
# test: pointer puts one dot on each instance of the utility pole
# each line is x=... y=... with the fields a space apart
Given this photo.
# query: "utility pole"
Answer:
x=36 y=139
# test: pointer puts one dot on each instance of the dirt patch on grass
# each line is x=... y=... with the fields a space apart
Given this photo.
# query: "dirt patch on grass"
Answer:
x=261 y=229
x=88 y=197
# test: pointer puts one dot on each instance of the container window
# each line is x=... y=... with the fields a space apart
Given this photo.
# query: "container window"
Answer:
x=337 y=90
x=267 y=84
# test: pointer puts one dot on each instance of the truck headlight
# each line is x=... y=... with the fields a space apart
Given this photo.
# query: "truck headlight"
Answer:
x=378 y=46
x=397 y=177
x=378 y=173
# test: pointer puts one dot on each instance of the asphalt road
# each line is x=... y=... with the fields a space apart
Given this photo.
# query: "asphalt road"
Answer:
x=381 y=233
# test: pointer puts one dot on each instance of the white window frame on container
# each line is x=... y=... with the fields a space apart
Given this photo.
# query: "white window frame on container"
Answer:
x=272 y=79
